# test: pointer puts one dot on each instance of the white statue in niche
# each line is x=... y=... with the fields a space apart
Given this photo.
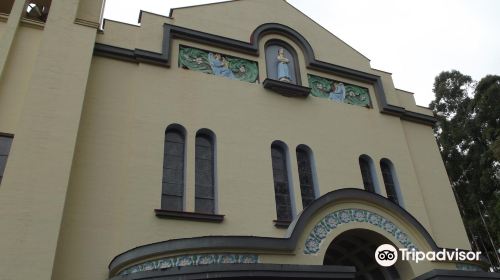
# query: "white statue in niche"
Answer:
x=283 y=71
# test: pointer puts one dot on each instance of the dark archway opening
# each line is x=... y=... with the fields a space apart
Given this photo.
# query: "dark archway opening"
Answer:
x=357 y=248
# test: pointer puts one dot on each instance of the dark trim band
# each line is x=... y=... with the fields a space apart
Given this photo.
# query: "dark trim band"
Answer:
x=286 y=89
x=247 y=271
x=6 y=134
x=193 y=216
x=255 y=243
x=171 y=32
x=441 y=274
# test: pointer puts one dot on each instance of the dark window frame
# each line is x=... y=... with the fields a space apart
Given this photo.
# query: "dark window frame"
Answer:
x=307 y=175
x=367 y=173
x=283 y=193
x=6 y=154
x=390 y=181
x=180 y=213
x=171 y=165
x=209 y=136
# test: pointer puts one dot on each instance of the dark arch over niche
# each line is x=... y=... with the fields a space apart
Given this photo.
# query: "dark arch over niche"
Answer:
x=279 y=245
x=171 y=32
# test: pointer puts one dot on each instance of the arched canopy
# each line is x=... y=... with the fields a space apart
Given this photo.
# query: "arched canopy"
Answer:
x=299 y=231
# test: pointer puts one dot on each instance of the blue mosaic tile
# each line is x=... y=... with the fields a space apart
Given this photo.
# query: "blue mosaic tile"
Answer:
x=333 y=220
x=468 y=267
x=192 y=260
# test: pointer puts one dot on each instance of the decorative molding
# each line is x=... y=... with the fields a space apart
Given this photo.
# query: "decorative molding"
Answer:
x=281 y=223
x=345 y=216
x=192 y=260
x=192 y=216
x=278 y=245
x=4 y=17
x=87 y=23
x=171 y=32
x=33 y=23
x=286 y=89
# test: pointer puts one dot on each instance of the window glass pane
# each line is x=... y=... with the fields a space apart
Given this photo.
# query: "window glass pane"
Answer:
x=175 y=149
x=173 y=203
x=203 y=205
x=173 y=189
x=366 y=174
x=175 y=136
x=388 y=181
x=204 y=171
x=173 y=171
x=3 y=163
x=305 y=176
x=281 y=187
x=5 y=143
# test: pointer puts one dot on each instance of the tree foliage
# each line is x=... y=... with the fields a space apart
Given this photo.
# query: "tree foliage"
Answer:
x=468 y=134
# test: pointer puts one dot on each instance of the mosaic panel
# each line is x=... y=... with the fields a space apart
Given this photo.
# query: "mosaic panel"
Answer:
x=192 y=260
x=346 y=216
x=218 y=64
x=338 y=91
x=468 y=267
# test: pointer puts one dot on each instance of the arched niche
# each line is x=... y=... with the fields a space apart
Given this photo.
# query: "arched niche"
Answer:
x=356 y=247
x=282 y=62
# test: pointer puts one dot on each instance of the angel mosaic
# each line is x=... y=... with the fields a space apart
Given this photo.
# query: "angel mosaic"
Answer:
x=338 y=91
x=218 y=64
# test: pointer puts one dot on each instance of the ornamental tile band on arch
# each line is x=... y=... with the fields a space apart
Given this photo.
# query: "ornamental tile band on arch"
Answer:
x=192 y=260
x=218 y=64
x=346 y=216
x=338 y=91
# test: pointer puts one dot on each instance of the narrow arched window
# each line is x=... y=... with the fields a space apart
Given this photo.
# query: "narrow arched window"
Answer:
x=390 y=181
x=281 y=182
x=173 y=168
x=281 y=62
x=205 y=172
x=368 y=173
x=306 y=175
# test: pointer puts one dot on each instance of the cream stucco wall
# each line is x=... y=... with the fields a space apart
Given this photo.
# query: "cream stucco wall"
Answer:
x=116 y=178
x=86 y=162
x=41 y=95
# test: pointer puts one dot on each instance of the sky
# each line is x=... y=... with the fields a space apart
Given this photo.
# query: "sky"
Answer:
x=414 y=40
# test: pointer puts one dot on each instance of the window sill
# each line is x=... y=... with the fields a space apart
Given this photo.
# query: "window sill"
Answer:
x=190 y=216
x=286 y=89
x=282 y=223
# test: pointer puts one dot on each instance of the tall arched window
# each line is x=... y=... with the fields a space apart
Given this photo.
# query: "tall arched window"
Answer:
x=281 y=182
x=390 y=181
x=368 y=173
x=281 y=62
x=205 y=172
x=306 y=175
x=173 y=168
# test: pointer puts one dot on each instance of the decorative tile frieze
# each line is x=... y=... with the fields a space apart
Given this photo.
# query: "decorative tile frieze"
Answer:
x=218 y=64
x=342 y=217
x=468 y=267
x=338 y=91
x=192 y=260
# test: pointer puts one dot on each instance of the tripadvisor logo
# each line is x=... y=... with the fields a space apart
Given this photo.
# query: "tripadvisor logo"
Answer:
x=387 y=255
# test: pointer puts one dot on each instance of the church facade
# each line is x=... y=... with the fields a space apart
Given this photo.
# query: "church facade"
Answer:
x=230 y=140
